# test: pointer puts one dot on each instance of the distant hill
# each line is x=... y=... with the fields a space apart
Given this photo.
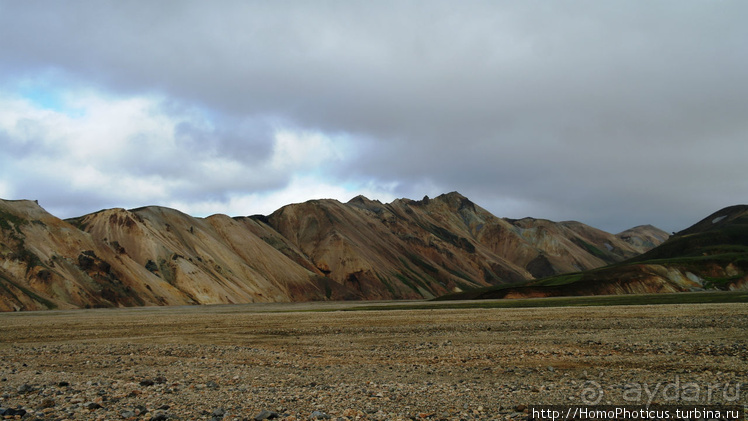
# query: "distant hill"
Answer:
x=318 y=250
x=711 y=254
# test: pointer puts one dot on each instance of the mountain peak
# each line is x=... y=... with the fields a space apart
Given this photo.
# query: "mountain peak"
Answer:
x=359 y=199
x=717 y=219
x=456 y=201
x=28 y=208
x=363 y=202
x=453 y=195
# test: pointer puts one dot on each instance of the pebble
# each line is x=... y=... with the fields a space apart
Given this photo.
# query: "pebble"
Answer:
x=266 y=415
x=24 y=388
x=91 y=406
x=218 y=413
x=424 y=368
x=127 y=414
x=160 y=416
x=11 y=412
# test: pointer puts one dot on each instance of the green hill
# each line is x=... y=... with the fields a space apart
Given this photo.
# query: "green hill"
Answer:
x=710 y=255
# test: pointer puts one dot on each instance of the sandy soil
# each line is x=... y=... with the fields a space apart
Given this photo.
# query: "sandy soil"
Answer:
x=234 y=362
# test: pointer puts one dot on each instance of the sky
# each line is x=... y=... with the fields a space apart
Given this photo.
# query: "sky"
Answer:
x=614 y=113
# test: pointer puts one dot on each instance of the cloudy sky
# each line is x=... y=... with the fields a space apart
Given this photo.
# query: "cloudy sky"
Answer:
x=613 y=113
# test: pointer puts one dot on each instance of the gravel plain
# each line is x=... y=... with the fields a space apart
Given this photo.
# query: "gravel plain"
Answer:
x=292 y=362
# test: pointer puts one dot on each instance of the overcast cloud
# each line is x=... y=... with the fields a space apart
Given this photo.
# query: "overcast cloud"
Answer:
x=614 y=113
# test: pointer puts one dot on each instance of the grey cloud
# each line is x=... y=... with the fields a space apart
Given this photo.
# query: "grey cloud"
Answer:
x=615 y=114
x=30 y=139
x=246 y=140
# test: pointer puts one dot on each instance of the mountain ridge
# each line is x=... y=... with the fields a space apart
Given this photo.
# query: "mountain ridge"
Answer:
x=712 y=254
x=321 y=249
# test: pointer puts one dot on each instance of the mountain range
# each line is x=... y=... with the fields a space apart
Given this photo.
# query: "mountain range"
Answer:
x=710 y=255
x=317 y=250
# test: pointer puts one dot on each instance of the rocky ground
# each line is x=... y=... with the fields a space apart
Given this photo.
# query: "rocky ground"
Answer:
x=262 y=362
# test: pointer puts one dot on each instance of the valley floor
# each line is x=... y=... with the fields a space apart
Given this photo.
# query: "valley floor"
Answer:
x=234 y=362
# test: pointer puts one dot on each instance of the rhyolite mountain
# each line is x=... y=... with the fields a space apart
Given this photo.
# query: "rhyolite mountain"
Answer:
x=317 y=250
x=711 y=254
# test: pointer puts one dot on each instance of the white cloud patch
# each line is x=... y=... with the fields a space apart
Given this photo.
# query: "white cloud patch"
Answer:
x=299 y=189
x=5 y=190
x=302 y=151
x=130 y=152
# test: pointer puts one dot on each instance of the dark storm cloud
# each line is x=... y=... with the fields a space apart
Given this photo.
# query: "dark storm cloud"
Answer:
x=613 y=113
